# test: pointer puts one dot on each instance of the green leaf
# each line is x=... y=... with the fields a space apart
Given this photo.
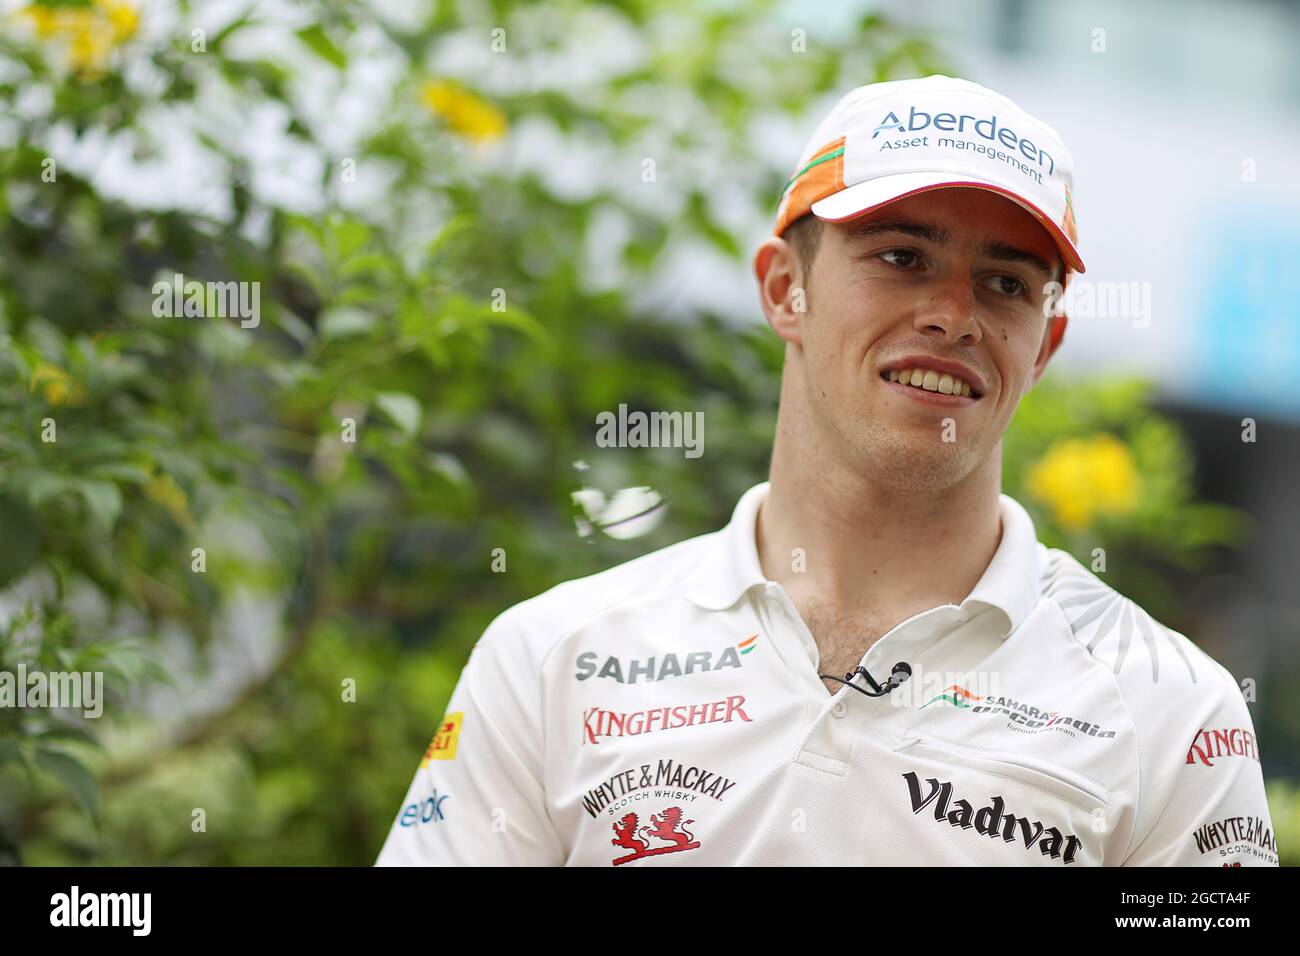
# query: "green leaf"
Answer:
x=72 y=773
x=104 y=499
x=320 y=44
x=340 y=323
x=403 y=409
x=22 y=538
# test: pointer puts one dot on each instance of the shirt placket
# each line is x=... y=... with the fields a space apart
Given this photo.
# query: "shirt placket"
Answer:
x=847 y=718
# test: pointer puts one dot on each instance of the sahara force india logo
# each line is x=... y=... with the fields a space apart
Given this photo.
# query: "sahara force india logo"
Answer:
x=992 y=821
x=1210 y=744
x=659 y=668
x=608 y=723
x=1019 y=716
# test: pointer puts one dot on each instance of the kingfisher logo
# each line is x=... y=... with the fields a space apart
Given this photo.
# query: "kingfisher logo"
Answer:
x=1209 y=745
x=607 y=723
x=660 y=668
x=1019 y=716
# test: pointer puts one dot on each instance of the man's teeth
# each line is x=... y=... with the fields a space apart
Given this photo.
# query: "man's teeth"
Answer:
x=930 y=380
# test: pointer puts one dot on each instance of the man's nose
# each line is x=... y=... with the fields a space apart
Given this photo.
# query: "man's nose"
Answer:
x=949 y=313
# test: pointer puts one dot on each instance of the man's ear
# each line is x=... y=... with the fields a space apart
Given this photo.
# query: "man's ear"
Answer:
x=1052 y=337
x=782 y=289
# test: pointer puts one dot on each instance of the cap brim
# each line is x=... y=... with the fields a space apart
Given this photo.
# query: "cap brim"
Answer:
x=860 y=199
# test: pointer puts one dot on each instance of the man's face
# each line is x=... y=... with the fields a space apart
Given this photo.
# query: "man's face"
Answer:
x=945 y=281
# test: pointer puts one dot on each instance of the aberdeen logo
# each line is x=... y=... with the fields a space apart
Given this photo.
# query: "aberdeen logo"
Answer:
x=992 y=821
x=986 y=128
x=1209 y=745
x=667 y=826
x=660 y=668
x=668 y=781
x=1237 y=836
x=1019 y=716
x=607 y=723
x=443 y=744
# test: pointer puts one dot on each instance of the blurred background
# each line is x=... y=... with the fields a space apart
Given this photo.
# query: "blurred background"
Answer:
x=473 y=226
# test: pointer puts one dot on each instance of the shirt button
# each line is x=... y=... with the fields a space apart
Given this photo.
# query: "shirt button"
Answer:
x=838 y=709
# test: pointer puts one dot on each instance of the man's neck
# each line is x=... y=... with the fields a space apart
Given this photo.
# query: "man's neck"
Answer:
x=879 y=553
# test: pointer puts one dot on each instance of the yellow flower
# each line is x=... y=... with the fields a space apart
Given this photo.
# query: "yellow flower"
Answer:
x=466 y=113
x=162 y=488
x=55 y=385
x=87 y=34
x=1081 y=478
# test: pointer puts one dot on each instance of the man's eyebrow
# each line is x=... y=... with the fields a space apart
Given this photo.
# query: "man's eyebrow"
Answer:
x=919 y=230
x=930 y=232
x=1006 y=253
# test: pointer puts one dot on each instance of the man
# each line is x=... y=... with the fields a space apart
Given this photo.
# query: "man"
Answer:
x=671 y=711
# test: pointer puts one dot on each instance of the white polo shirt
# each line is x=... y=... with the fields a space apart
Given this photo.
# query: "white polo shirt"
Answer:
x=668 y=712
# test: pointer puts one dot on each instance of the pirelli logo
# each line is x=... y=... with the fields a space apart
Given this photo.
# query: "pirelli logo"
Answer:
x=443 y=744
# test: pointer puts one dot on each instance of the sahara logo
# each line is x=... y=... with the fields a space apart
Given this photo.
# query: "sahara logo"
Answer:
x=667 y=826
x=660 y=668
x=1234 y=742
x=443 y=744
x=1019 y=716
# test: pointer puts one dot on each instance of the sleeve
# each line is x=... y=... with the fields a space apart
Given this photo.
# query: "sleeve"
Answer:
x=1203 y=786
x=477 y=798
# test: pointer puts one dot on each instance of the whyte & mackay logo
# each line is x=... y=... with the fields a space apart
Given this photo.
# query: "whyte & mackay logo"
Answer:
x=667 y=781
x=1238 y=836
x=663 y=666
x=1019 y=716
x=668 y=827
x=607 y=723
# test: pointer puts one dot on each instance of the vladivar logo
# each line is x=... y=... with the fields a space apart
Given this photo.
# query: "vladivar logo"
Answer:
x=992 y=820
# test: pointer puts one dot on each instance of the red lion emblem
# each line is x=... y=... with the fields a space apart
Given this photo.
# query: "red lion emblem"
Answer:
x=667 y=826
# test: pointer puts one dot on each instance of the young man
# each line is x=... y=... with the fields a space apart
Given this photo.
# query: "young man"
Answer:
x=670 y=711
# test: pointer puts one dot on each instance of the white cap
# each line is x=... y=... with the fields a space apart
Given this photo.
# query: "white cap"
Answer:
x=887 y=141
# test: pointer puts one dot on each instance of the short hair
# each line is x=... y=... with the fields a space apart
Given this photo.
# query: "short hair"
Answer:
x=805 y=234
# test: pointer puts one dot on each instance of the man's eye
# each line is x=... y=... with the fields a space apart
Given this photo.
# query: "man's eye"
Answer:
x=902 y=258
x=1006 y=285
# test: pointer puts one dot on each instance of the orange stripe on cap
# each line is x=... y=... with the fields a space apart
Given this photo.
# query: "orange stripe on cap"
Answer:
x=820 y=177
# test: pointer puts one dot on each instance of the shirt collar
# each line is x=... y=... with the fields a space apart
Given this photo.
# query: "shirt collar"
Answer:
x=729 y=564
